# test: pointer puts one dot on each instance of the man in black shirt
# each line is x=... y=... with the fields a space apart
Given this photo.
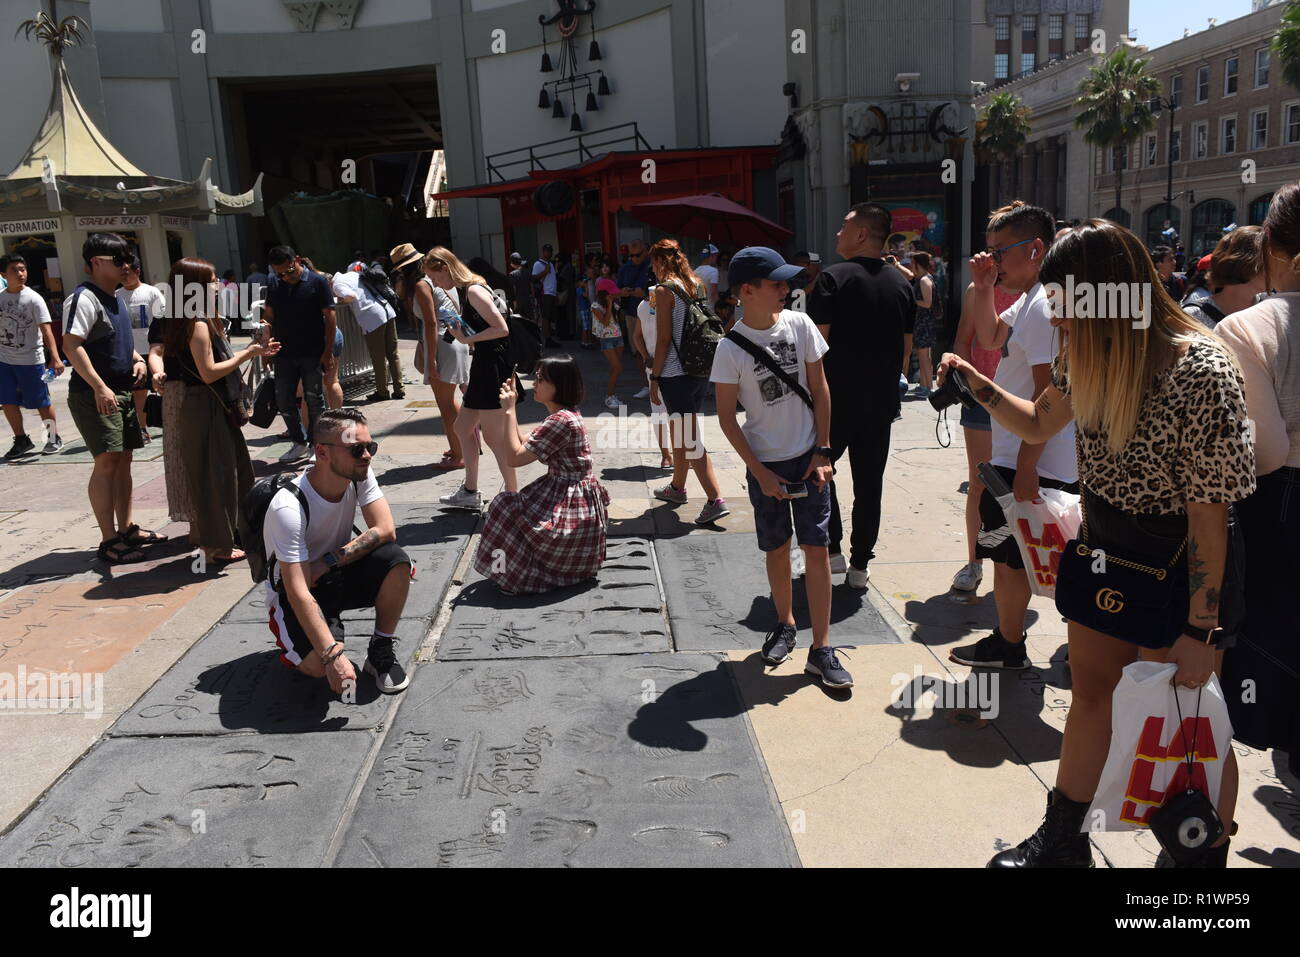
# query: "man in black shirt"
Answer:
x=862 y=306
x=300 y=308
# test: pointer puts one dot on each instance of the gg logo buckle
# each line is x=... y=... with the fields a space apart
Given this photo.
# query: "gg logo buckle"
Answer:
x=1108 y=599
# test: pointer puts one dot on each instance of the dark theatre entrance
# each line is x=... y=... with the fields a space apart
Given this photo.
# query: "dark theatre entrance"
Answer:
x=301 y=132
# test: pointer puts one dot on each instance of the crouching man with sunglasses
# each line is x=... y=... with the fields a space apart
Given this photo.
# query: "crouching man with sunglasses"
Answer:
x=319 y=568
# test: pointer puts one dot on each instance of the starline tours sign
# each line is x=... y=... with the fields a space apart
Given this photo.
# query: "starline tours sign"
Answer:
x=114 y=222
x=21 y=227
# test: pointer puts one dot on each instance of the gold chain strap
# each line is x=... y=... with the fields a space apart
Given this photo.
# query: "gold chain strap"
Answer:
x=1084 y=551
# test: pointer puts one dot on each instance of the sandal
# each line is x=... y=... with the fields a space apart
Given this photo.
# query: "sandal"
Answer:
x=449 y=463
x=226 y=556
x=115 y=551
x=136 y=536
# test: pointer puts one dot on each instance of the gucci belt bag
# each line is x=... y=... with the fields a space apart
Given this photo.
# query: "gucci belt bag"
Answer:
x=1126 y=599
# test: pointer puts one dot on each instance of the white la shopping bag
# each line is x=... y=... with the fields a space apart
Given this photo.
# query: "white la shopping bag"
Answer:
x=1041 y=528
x=1149 y=746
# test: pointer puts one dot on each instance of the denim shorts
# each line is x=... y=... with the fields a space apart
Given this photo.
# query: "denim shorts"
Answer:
x=609 y=344
x=977 y=418
x=772 y=516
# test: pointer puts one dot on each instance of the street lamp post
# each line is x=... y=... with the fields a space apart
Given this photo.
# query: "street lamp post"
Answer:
x=1159 y=103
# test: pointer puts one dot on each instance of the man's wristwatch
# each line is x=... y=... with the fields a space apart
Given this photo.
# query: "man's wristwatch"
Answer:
x=1211 y=636
x=822 y=450
x=330 y=559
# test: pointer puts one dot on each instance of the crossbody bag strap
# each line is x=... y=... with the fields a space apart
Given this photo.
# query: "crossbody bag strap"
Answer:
x=765 y=357
x=1083 y=534
x=220 y=400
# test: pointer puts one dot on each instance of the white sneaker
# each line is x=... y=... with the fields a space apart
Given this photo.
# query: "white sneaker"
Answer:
x=643 y=394
x=969 y=578
x=798 y=563
x=463 y=499
x=296 y=451
x=857 y=577
x=611 y=402
x=839 y=564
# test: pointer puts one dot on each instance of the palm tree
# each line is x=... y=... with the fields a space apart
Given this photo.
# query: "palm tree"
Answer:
x=1001 y=131
x=1115 y=107
x=56 y=36
x=1286 y=44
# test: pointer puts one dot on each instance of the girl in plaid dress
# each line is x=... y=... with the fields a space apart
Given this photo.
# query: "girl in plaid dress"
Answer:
x=551 y=533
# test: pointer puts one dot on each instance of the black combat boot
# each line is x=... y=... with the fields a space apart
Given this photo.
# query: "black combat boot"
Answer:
x=1057 y=842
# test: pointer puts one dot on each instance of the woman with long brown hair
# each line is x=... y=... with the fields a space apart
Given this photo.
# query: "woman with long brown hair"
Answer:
x=217 y=466
x=1164 y=448
x=681 y=394
x=482 y=324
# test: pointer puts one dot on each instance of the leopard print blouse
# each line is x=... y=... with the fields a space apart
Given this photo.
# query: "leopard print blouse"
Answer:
x=1193 y=441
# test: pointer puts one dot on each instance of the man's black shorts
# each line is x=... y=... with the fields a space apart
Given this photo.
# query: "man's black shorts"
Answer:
x=350 y=586
x=995 y=538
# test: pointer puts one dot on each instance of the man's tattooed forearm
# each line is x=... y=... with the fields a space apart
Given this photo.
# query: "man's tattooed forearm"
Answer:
x=363 y=544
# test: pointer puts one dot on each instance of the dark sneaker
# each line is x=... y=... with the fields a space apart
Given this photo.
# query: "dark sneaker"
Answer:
x=1057 y=842
x=824 y=663
x=992 y=651
x=377 y=397
x=23 y=445
x=52 y=445
x=399 y=394
x=779 y=644
x=381 y=664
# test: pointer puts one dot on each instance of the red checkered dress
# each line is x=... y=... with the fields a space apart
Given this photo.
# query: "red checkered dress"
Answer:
x=552 y=532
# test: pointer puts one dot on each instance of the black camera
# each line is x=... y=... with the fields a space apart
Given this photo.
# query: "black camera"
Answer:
x=1186 y=825
x=953 y=390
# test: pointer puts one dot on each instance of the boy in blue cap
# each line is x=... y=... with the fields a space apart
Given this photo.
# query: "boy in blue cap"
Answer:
x=771 y=363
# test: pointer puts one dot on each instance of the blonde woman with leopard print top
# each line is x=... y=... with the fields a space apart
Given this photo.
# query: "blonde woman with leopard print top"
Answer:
x=1164 y=449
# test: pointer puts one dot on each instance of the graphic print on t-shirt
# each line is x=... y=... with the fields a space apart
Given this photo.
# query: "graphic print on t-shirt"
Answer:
x=770 y=384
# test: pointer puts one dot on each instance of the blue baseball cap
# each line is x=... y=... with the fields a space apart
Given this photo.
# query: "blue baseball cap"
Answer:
x=758 y=262
x=708 y=250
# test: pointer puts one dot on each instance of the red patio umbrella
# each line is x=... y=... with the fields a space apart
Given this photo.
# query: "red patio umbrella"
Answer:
x=712 y=217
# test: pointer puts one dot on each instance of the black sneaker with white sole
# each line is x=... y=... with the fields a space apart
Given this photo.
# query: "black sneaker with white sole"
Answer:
x=824 y=663
x=23 y=445
x=779 y=644
x=382 y=665
x=992 y=651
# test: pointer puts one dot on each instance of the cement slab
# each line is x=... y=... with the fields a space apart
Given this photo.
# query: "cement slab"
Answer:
x=233 y=681
x=620 y=612
x=719 y=600
x=628 y=762
x=433 y=571
x=209 y=802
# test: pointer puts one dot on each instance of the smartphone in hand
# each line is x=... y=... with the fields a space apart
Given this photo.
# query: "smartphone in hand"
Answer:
x=795 y=489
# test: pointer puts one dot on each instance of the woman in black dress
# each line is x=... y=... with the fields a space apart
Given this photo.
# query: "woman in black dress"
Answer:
x=482 y=322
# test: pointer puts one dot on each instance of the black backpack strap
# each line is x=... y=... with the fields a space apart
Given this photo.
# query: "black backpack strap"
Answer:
x=306 y=521
x=765 y=357
x=356 y=489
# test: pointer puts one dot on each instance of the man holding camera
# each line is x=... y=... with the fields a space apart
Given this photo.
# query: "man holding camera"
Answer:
x=771 y=363
x=1018 y=236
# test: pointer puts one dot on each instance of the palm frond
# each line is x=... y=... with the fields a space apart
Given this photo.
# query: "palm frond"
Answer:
x=56 y=37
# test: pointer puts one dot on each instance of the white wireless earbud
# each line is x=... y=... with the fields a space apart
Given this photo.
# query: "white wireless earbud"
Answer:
x=1033 y=254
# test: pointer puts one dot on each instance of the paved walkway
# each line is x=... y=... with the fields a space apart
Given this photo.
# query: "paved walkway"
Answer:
x=627 y=722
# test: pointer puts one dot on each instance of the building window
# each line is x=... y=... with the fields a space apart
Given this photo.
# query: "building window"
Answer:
x=1082 y=27
x=1259 y=130
x=1029 y=23
x=1230 y=75
x=1259 y=209
x=1227 y=135
x=1152 y=154
x=1027 y=62
x=1200 y=140
x=1176 y=90
x=1208 y=220
x=1176 y=146
x=1202 y=84
x=1293 y=123
x=1001 y=28
x=1261 y=68
x=1056 y=26
x=1000 y=65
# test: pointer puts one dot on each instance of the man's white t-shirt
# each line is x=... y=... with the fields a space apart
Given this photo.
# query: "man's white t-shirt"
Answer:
x=708 y=274
x=1032 y=342
x=21 y=316
x=330 y=526
x=146 y=297
x=548 y=284
x=778 y=424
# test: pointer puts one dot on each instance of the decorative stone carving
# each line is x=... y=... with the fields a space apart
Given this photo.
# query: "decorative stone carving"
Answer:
x=303 y=13
x=344 y=10
x=810 y=129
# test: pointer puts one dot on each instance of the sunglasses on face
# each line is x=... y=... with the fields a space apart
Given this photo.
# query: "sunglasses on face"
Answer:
x=997 y=251
x=118 y=261
x=357 y=449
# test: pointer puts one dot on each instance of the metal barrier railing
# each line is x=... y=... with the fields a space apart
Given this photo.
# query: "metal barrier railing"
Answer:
x=356 y=373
